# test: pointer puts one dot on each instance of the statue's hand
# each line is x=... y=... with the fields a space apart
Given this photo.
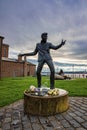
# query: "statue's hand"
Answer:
x=63 y=42
x=20 y=54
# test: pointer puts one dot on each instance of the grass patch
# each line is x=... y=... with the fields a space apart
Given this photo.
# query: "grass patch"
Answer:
x=11 y=89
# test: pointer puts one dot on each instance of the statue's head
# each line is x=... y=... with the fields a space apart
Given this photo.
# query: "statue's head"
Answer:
x=44 y=36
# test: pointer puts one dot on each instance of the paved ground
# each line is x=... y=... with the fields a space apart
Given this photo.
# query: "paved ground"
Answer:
x=12 y=117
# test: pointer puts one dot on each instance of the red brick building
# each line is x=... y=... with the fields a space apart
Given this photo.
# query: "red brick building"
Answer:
x=13 y=67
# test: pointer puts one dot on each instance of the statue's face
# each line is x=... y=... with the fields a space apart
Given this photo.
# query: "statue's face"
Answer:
x=44 y=38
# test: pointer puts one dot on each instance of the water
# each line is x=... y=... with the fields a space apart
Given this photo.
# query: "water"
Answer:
x=70 y=74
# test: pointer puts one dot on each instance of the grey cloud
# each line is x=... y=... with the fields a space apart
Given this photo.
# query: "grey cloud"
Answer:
x=22 y=23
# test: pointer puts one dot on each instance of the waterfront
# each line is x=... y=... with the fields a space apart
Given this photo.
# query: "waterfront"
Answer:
x=70 y=74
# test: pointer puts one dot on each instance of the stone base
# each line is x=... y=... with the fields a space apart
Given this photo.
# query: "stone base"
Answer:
x=46 y=105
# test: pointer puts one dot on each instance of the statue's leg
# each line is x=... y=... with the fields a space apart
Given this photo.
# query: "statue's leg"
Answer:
x=39 y=68
x=52 y=70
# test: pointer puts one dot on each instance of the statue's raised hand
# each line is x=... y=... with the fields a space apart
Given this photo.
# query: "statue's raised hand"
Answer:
x=63 y=42
x=21 y=54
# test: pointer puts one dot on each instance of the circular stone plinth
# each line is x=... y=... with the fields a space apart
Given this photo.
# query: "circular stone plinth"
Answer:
x=46 y=105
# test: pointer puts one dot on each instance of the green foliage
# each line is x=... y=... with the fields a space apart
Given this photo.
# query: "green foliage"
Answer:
x=11 y=89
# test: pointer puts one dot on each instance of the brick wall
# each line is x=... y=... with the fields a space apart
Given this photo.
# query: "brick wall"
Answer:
x=16 y=69
x=31 y=70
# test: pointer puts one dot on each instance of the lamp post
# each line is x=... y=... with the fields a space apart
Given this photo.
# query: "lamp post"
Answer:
x=1 y=42
x=73 y=70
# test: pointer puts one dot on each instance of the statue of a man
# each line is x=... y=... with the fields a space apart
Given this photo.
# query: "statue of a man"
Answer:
x=43 y=50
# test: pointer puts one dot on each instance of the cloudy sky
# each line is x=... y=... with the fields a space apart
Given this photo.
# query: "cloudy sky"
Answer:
x=23 y=21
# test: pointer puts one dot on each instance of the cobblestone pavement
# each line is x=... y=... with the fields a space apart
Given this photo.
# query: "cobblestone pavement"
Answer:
x=75 y=118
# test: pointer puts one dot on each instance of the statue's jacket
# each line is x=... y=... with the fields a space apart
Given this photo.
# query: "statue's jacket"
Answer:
x=43 y=50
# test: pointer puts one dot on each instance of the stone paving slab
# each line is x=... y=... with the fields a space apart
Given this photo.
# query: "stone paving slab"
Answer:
x=12 y=117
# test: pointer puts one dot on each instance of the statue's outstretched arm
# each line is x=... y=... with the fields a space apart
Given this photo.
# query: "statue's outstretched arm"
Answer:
x=30 y=54
x=58 y=46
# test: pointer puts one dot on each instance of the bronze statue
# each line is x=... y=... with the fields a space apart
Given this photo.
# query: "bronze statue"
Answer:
x=43 y=50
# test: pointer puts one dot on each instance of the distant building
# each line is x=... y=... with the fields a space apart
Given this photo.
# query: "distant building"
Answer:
x=14 y=67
